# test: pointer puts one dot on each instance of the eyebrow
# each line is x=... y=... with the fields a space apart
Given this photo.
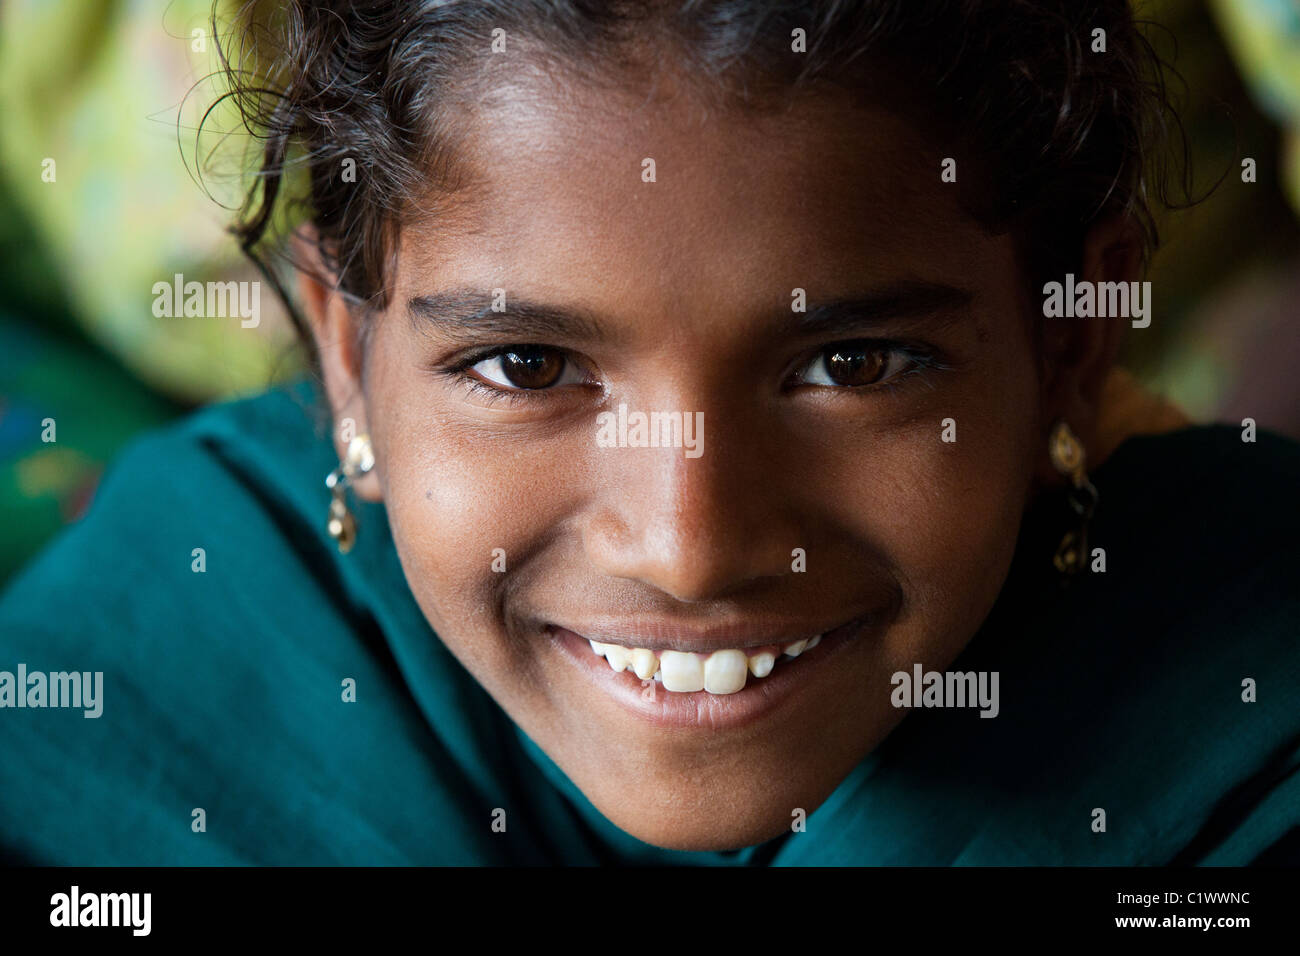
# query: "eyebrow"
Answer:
x=458 y=311
x=914 y=301
x=468 y=311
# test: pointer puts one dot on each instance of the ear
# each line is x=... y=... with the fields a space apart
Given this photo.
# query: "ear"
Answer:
x=335 y=332
x=1079 y=353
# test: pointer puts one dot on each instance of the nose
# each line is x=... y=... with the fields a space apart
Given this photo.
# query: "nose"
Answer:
x=696 y=529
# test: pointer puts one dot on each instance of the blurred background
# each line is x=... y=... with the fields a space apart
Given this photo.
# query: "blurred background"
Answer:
x=113 y=92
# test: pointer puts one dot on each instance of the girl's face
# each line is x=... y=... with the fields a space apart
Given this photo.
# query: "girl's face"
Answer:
x=820 y=496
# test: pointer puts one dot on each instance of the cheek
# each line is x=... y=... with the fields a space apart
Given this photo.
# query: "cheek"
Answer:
x=464 y=510
x=946 y=514
x=948 y=518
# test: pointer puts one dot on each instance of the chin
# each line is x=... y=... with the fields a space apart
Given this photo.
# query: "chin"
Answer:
x=711 y=807
x=699 y=831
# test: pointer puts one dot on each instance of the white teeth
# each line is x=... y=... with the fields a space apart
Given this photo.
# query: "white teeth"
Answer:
x=644 y=663
x=725 y=672
x=722 y=672
x=617 y=657
x=760 y=665
x=683 y=671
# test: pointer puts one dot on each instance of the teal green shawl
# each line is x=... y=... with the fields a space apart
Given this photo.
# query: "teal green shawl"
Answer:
x=222 y=690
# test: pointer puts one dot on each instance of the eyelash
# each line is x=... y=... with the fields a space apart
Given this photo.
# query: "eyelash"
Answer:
x=459 y=372
x=493 y=395
x=922 y=359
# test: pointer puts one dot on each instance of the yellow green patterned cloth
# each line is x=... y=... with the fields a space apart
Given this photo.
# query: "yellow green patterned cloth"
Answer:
x=1264 y=37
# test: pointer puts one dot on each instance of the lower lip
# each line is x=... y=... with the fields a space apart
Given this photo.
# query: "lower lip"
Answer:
x=792 y=680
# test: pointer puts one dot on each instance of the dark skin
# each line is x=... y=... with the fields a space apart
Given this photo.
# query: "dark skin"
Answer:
x=689 y=282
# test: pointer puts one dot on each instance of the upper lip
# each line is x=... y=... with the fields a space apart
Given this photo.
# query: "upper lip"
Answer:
x=664 y=635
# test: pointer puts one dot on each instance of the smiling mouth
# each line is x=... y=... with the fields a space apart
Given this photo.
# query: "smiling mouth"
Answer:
x=720 y=672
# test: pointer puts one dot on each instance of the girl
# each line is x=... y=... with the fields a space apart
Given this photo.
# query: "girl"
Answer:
x=709 y=480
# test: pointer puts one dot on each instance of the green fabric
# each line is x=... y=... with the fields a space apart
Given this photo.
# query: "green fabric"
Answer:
x=94 y=408
x=222 y=690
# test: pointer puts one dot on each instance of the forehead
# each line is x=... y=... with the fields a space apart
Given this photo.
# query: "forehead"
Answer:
x=818 y=189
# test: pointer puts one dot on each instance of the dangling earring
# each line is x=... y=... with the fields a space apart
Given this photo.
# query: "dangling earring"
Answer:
x=359 y=460
x=1068 y=458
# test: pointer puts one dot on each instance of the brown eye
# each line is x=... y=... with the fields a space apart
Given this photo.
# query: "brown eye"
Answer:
x=532 y=367
x=855 y=364
x=527 y=368
x=862 y=364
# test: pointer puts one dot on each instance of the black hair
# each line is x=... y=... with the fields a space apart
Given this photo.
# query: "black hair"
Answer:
x=1062 y=136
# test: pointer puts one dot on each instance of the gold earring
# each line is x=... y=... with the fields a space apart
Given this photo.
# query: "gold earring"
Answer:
x=359 y=460
x=1068 y=458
